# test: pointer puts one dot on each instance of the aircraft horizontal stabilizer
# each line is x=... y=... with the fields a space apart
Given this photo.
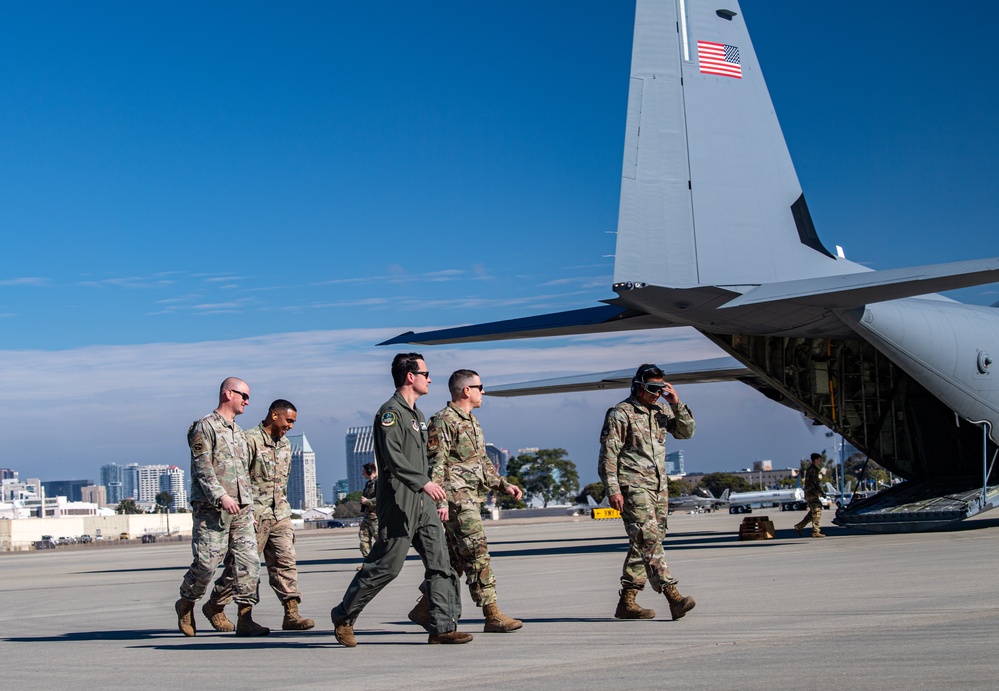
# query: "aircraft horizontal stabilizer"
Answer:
x=691 y=372
x=592 y=320
x=858 y=289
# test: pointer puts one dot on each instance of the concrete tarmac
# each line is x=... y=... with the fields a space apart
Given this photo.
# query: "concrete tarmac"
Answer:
x=852 y=610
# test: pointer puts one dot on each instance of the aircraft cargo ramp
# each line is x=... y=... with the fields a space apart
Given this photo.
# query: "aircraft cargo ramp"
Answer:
x=919 y=506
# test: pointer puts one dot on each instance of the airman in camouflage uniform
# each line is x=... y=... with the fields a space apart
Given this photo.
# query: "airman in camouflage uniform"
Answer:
x=368 y=532
x=632 y=467
x=222 y=504
x=813 y=497
x=270 y=465
x=457 y=452
x=406 y=515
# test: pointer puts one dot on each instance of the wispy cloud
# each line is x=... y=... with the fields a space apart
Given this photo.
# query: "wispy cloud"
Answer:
x=134 y=403
x=25 y=281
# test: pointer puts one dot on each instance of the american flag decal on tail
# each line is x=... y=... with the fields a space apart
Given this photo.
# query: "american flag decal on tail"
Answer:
x=717 y=58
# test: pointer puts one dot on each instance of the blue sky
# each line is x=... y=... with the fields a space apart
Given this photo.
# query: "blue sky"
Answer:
x=189 y=191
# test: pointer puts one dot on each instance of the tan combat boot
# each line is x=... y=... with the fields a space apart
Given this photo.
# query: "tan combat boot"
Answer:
x=420 y=614
x=452 y=637
x=497 y=622
x=678 y=604
x=245 y=626
x=185 y=617
x=292 y=620
x=627 y=608
x=216 y=616
x=343 y=631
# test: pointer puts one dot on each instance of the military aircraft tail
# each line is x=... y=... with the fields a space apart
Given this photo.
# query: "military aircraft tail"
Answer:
x=709 y=195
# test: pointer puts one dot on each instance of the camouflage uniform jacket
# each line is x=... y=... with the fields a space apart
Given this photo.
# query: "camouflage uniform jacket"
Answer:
x=370 y=493
x=458 y=461
x=813 y=488
x=218 y=461
x=270 y=464
x=633 y=443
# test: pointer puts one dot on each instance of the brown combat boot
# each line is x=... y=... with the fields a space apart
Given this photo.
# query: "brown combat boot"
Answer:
x=292 y=620
x=420 y=614
x=497 y=622
x=816 y=533
x=185 y=617
x=627 y=608
x=678 y=604
x=245 y=626
x=216 y=616
x=343 y=631
x=452 y=637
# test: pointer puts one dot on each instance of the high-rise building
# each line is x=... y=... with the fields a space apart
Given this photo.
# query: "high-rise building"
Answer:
x=66 y=488
x=674 y=463
x=302 y=478
x=94 y=495
x=149 y=481
x=8 y=474
x=340 y=490
x=499 y=457
x=172 y=481
x=130 y=482
x=360 y=450
x=112 y=476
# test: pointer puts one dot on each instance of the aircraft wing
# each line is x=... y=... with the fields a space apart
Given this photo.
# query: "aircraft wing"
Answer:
x=692 y=372
x=603 y=319
x=858 y=289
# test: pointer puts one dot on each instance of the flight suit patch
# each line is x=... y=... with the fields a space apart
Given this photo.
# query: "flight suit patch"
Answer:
x=389 y=419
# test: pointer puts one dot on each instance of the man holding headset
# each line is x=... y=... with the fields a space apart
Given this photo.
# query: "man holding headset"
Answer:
x=632 y=467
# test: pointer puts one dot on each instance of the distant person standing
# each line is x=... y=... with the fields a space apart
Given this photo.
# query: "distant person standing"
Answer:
x=406 y=513
x=270 y=464
x=632 y=467
x=457 y=452
x=368 y=532
x=222 y=504
x=813 y=497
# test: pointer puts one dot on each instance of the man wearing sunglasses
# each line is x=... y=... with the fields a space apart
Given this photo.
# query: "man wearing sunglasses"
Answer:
x=407 y=515
x=458 y=461
x=632 y=467
x=222 y=507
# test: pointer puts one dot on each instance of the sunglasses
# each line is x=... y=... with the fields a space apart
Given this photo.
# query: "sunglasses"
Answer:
x=654 y=388
x=425 y=373
x=246 y=396
x=476 y=386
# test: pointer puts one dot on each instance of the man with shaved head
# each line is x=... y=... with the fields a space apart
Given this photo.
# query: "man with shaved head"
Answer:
x=222 y=507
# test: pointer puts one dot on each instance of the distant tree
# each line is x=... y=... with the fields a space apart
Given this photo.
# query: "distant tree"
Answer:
x=128 y=506
x=353 y=496
x=164 y=500
x=549 y=476
x=505 y=501
x=595 y=490
x=679 y=487
x=716 y=483
x=347 y=509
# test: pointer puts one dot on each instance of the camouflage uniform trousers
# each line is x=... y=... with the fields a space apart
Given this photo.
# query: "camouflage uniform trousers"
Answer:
x=469 y=552
x=368 y=532
x=814 y=514
x=217 y=536
x=276 y=541
x=644 y=517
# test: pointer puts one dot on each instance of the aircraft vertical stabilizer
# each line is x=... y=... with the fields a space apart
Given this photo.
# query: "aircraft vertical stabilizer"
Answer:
x=709 y=195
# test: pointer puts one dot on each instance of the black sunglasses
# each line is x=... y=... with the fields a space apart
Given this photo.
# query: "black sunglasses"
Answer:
x=425 y=373
x=246 y=396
